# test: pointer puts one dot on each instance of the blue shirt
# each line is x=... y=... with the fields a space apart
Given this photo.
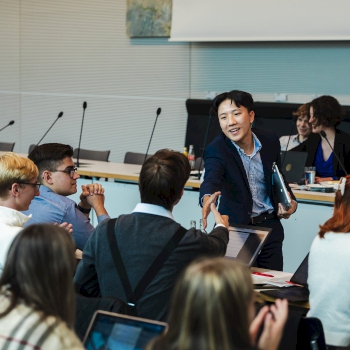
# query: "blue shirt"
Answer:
x=324 y=168
x=256 y=179
x=51 y=207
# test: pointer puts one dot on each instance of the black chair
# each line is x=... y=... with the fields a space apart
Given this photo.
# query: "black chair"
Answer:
x=92 y=155
x=86 y=307
x=7 y=146
x=31 y=147
x=135 y=158
x=198 y=163
x=310 y=334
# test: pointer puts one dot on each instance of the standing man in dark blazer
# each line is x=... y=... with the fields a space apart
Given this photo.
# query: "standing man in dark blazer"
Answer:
x=238 y=165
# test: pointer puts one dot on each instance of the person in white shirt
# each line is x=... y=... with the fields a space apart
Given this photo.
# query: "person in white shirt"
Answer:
x=18 y=186
x=303 y=126
x=329 y=269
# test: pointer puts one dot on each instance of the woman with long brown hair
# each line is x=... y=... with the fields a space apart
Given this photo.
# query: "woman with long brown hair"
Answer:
x=329 y=271
x=37 y=301
x=213 y=309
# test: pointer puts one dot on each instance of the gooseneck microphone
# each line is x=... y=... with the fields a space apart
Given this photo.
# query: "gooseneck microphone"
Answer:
x=10 y=123
x=290 y=135
x=158 y=112
x=324 y=135
x=81 y=132
x=204 y=145
x=58 y=117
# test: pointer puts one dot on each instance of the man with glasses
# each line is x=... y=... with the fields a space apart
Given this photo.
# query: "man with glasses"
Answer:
x=18 y=187
x=58 y=176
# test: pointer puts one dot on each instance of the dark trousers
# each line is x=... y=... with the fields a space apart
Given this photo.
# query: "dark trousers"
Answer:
x=271 y=256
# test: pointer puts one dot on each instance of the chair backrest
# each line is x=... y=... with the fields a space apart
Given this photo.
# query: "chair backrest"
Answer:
x=311 y=334
x=31 y=147
x=199 y=163
x=135 y=158
x=92 y=155
x=86 y=307
x=7 y=146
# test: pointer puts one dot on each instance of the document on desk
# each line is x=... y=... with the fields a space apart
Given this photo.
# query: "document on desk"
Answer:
x=278 y=279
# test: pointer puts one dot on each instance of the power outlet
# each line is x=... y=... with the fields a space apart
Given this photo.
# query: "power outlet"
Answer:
x=281 y=97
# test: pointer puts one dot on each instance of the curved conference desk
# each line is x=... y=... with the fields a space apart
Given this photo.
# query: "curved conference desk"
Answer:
x=121 y=192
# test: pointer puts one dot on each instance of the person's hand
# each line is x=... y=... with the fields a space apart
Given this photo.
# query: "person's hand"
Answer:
x=207 y=200
x=257 y=322
x=285 y=214
x=219 y=219
x=321 y=179
x=66 y=226
x=274 y=322
x=92 y=196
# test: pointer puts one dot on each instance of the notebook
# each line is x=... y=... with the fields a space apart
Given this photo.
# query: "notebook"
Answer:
x=294 y=293
x=246 y=242
x=114 y=331
x=293 y=164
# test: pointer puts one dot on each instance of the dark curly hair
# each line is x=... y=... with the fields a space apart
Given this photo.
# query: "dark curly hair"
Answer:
x=327 y=111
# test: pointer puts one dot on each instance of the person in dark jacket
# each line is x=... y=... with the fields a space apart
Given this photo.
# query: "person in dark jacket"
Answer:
x=143 y=234
x=325 y=115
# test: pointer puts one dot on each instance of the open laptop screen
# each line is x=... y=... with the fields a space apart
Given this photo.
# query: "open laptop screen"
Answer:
x=245 y=243
x=114 y=331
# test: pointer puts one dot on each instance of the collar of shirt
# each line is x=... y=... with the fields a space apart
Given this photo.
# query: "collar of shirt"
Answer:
x=257 y=147
x=153 y=209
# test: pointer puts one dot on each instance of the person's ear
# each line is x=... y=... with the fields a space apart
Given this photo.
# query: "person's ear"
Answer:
x=15 y=189
x=47 y=177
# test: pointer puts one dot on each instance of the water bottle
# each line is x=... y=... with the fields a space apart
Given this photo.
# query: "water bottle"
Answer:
x=192 y=157
x=193 y=223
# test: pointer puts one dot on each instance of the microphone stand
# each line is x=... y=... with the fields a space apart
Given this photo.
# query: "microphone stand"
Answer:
x=81 y=131
x=158 y=112
x=290 y=135
x=59 y=116
x=324 y=135
x=204 y=144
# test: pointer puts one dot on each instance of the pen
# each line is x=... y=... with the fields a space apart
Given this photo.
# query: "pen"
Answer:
x=262 y=274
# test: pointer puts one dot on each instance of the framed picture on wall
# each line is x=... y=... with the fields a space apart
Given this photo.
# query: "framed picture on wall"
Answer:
x=148 y=18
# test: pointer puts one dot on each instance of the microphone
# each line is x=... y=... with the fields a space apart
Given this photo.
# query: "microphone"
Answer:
x=81 y=132
x=204 y=144
x=59 y=116
x=324 y=135
x=10 y=123
x=158 y=112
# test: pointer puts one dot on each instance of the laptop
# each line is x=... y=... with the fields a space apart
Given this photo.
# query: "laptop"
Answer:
x=293 y=164
x=294 y=293
x=246 y=242
x=114 y=331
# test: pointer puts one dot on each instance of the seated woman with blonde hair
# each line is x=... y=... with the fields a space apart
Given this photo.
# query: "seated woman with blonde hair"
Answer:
x=329 y=269
x=213 y=308
x=37 y=300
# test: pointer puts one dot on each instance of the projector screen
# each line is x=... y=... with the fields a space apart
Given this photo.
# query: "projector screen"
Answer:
x=260 y=20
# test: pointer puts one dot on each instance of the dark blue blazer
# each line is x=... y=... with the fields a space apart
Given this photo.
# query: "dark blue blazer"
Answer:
x=224 y=171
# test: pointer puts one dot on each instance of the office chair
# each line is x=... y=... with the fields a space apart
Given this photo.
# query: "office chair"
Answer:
x=310 y=334
x=7 y=146
x=135 y=158
x=31 y=147
x=92 y=155
x=198 y=162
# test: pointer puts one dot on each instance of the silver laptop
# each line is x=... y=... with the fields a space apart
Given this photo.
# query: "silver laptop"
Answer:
x=246 y=242
x=114 y=331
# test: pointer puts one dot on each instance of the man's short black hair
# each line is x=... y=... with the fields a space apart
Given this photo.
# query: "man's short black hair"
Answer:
x=49 y=156
x=240 y=98
x=163 y=177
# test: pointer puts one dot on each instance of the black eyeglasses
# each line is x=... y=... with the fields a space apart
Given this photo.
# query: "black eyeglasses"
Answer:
x=69 y=171
x=37 y=186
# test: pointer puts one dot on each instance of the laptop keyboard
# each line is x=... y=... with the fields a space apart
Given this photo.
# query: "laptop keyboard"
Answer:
x=290 y=293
